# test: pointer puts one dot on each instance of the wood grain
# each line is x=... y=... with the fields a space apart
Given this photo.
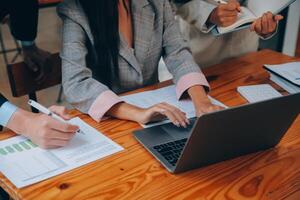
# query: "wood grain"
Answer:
x=134 y=174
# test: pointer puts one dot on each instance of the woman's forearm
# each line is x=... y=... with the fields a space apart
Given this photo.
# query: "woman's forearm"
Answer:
x=125 y=111
x=198 y=95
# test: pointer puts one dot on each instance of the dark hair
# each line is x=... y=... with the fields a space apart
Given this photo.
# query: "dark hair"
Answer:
x=103 y=20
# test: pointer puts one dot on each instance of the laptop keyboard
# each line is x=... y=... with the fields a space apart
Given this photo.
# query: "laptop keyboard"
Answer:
x=171 y=151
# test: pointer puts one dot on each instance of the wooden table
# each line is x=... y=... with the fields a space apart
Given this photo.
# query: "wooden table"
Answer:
x=135 y=174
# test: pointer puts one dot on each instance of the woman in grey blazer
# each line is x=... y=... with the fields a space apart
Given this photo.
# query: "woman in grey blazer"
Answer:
x=114 y=46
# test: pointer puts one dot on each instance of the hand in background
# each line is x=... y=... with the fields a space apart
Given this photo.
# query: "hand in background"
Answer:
x=36 y=60
x=205 y=106
x=266 y=25
x=201 y=101
x=43 y=130
x=225 y=14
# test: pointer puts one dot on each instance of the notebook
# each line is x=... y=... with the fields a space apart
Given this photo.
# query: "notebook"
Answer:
x=254 y=10
x=290 y=88
x=288 y=71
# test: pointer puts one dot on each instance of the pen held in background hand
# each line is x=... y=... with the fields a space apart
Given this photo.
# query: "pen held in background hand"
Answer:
x=219 y=2
x=216 y=2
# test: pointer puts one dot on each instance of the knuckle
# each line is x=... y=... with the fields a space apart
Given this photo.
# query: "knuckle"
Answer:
x=65 y=143
x=44 y=134
x=219 y=14
x=269 y=14
x=173 y=109
x=66 y=127
x=44 y=143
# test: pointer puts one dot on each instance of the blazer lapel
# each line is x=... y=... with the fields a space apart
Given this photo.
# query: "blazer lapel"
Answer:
x=143 y=20
x=143 y=24
x=128 y=54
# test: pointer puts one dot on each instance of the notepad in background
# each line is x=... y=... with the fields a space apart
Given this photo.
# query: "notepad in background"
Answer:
x=288 y=71
x=290 y=88
x=286 y=75
x=167 y=95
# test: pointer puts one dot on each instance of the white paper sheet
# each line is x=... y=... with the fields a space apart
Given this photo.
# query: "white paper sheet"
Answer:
x=290 y=88
x=24 y=163
x=168 y=95
x=290 y=71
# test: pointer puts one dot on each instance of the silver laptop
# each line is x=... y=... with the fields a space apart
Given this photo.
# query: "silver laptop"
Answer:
x=221 y=135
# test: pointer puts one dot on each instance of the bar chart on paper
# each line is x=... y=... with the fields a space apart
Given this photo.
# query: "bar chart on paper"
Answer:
x=24 y=163
x=17 y=147
x=27 y=160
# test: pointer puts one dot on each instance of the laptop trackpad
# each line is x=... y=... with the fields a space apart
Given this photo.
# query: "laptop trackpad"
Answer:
x=177 y=133
x=163 y=134
x=153 y=136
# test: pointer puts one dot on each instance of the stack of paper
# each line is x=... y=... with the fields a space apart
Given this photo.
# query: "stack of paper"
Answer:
x=24 y=163
x=286 y=76
x=167 y=95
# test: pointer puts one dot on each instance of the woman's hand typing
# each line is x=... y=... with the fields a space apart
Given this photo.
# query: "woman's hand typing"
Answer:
x=155 y=113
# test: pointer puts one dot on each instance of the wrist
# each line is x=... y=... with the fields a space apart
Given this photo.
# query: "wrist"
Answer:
x=139 y=115
x=198 y=96
x=126 y=111
x=197 y=92
x=19 y=122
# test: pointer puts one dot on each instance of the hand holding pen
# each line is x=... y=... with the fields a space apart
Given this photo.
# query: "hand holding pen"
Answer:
x=226 y=13
x=50 y=129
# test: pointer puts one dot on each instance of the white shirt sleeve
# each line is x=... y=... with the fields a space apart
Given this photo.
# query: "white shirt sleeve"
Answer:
x=6 y=112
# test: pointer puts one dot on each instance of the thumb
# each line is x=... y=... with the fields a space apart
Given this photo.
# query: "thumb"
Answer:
x=278 y=17
x=235 y=4
x=252 y=27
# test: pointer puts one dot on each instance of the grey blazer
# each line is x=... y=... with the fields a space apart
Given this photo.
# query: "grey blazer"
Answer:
x=156 y=35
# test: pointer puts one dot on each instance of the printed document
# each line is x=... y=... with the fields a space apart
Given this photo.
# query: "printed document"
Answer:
x=24 y=163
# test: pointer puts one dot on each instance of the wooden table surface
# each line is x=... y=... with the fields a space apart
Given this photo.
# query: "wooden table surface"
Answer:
x=135 y=174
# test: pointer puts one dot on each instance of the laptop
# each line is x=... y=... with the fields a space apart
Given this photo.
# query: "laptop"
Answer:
x=221 y=135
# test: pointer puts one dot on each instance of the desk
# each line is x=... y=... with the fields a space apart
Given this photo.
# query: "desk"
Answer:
x=135 y=174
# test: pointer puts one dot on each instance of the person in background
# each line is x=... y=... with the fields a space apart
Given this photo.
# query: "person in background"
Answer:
x=43 y=130
x=114 y=46
x=23 y=18
x=197 y=18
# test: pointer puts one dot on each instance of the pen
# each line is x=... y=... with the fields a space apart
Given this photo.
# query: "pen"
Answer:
x=46 y=111
x=216 y=2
